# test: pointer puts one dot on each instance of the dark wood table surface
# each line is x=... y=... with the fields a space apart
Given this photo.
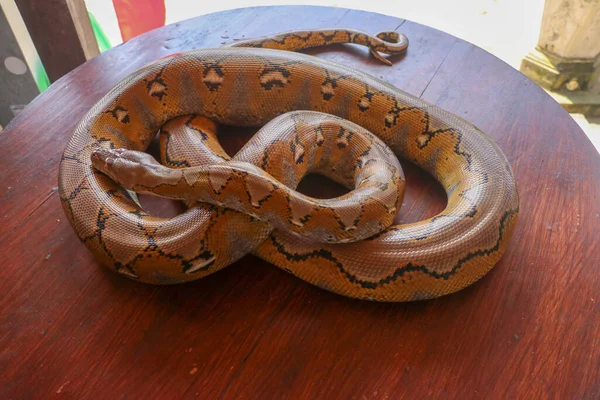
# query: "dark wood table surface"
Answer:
x=529 y=329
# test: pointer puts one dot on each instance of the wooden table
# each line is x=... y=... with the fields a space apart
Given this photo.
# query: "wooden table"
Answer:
x=529 y=329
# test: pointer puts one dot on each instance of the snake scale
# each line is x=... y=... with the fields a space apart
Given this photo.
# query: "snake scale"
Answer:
x=316 y=116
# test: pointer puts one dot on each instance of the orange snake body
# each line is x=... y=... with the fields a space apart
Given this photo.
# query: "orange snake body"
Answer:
x=344 y=245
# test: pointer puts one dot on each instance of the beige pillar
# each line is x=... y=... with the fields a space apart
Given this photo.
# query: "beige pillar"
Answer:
x=568 y=46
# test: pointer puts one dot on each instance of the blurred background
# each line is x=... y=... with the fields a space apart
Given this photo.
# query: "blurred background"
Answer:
x=554 y=42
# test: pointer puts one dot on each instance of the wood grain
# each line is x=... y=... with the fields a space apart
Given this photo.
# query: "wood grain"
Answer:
x=529 y=329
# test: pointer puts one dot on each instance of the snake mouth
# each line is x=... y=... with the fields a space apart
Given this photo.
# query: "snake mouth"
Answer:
x=102 y=160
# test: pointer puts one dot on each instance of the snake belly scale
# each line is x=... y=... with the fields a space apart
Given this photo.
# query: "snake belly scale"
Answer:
x=316 y=116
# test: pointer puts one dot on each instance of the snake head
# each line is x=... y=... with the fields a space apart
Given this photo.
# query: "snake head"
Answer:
x=127 y=167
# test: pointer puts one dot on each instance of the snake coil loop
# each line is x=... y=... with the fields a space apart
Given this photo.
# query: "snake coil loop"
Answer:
x=316 y=240
x=288 y=148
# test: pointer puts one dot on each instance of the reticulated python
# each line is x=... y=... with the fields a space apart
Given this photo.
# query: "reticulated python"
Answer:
x=344 y=244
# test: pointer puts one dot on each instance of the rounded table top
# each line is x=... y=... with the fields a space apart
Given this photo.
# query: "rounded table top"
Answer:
x=529 y=329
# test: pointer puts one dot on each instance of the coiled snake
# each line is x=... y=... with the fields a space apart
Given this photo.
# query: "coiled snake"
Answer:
x=318 y=117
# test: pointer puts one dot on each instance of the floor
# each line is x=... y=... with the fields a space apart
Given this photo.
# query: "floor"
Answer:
x=591 y=127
